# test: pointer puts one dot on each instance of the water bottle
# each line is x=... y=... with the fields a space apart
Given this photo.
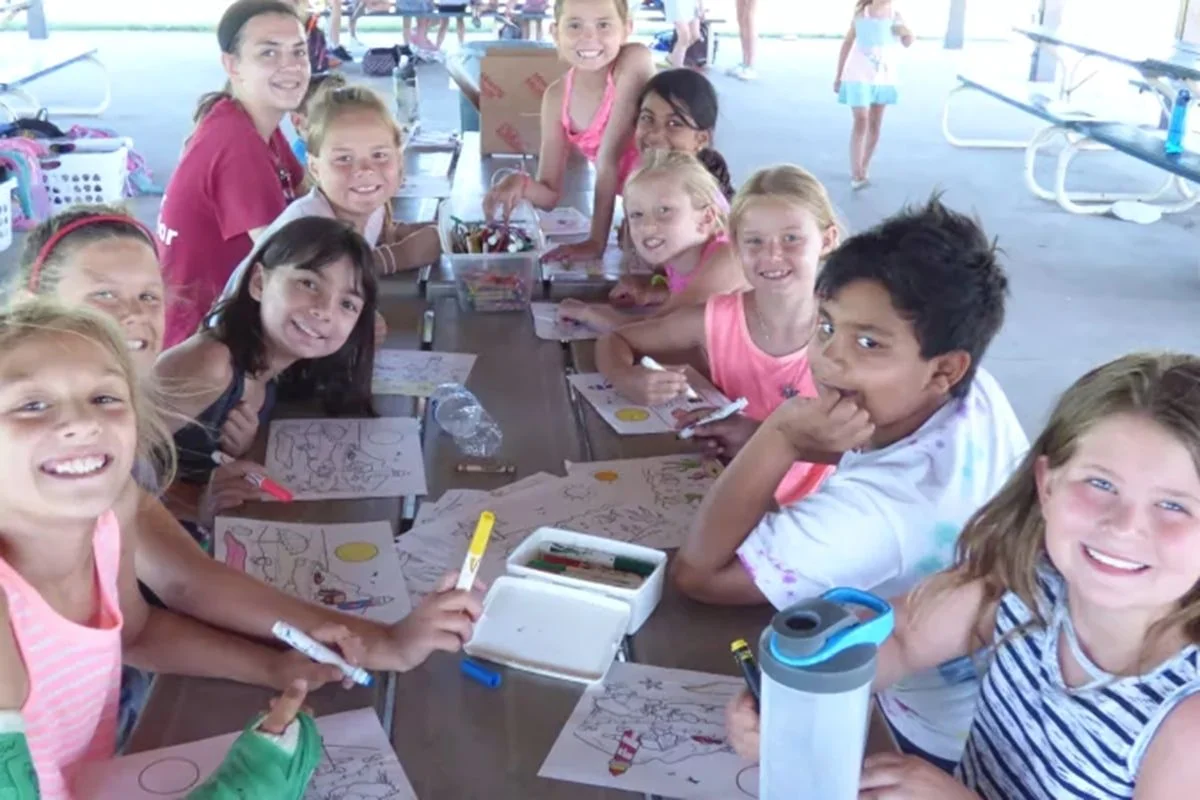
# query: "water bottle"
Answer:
x=459 y=413
x=1177 y=126
x=405 y=92
x=818 y=663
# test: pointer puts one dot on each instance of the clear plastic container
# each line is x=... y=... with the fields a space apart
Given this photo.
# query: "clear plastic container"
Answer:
x=490 y=281
x=459 y=413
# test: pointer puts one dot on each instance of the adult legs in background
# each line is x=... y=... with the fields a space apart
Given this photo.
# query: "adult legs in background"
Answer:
x=682 y=14
x=858 y=140
x=462 y=31
x=874 y=124
x=748 y=32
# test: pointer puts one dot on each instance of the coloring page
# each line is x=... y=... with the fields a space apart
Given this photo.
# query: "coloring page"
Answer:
x=433 y=140
x=564 y=221
x=654 y=731
x=547 y=325
x=475 y=501
x=417 y=373
x=610 y=266
x=423 y=186
x=357 y=763
x=675 y=484
x=585 y=504
x=336 y=459
x=351 y=566
x=629 y=418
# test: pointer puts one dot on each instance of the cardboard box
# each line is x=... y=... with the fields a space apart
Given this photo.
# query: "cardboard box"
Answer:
x=509 y=96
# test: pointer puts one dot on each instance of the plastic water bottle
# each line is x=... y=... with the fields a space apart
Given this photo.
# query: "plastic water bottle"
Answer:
x=459 y=413
x=818 y=663
x=1177 y=127
x=406 y=93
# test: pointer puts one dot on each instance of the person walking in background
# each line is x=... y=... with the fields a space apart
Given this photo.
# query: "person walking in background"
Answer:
x=685 y=16
x=748 y=33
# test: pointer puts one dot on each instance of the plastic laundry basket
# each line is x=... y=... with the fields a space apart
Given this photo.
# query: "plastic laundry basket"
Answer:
x=6 y=212
x=94 y=173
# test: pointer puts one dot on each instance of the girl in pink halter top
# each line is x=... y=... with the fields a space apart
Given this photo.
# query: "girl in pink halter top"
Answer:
x=588 y=140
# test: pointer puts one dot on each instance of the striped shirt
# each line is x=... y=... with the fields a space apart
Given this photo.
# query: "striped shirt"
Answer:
x=1034 y=737
x=74 y=670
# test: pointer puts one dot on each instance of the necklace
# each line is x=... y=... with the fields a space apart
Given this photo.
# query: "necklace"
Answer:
x=756 y=315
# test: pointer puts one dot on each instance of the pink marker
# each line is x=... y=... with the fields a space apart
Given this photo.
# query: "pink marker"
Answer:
x=258 y=481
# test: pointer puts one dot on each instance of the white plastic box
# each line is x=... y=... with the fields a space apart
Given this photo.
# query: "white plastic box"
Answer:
x=561 y=626
x=6 y=213
x=94 y=172
x=490 y=281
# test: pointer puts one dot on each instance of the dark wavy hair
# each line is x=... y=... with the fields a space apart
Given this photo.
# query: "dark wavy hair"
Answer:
x=342 y=380
x=693 y=98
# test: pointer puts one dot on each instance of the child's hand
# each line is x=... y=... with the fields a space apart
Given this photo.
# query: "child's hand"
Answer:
x=826 y=425
x=579 y=251
x=505 y=196
x=445 y=620
x=228 y=488
x=283 y=709
x=837 y=85
x=572 y=310
x=649 y=387
x=239 y=430
x=631 y=291
x=892 y=776
x=292 y=665
x=741 y=723
x=721 y=438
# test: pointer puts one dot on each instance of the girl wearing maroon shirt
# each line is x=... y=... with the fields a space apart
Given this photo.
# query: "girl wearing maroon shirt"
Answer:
x=237 y=172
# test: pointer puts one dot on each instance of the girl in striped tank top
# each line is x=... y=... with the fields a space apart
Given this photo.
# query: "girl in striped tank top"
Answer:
x=72 y=421
x=1081 y=578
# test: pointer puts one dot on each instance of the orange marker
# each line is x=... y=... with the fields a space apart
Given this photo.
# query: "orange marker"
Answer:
x=262 y=482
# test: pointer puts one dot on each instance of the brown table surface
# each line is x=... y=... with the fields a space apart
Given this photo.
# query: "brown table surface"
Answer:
x=455 y=738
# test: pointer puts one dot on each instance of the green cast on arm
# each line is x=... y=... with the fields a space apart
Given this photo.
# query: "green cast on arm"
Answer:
x=262 y=765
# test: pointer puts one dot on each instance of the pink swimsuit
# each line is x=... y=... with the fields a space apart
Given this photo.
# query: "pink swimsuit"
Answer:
x=587 y=141
x=678 y=281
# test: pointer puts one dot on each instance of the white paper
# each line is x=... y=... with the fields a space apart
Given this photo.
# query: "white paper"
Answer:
x=417 y=373
x=451 y=502
x=424 y=186
x=564 y=221
x=547 y=325
x=656 y=731
x=351 y=567
x=655 y=513
x=628 y=418
x=610 y=266
x=357 y=763
x=433 y=140
x=332 y=459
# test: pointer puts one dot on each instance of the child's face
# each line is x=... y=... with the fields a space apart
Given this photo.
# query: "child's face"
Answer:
x=590 y=33
x=663 y=221
x=661 y=127
x=358 y=167
x=866 y=351
x=120 y=278
x=271 y=70
x=69 y=430
x=1123 y=518
x=780 y=245
x=308 y=314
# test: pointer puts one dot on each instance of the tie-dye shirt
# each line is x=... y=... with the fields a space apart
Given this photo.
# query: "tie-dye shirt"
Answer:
x=888 y=518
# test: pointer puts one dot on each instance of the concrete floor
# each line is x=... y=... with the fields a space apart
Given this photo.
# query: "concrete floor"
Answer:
x=1083 y=289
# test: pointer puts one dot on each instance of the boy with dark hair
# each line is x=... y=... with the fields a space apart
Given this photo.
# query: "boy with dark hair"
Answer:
x=922 y=437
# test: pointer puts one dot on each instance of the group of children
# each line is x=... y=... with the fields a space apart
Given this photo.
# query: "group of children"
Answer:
x=1047 y=597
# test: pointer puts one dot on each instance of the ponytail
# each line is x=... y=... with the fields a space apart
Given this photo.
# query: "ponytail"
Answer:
x=210 y=99
x=715 y=163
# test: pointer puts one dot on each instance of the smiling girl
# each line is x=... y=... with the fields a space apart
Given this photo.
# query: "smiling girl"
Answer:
x=237 y=172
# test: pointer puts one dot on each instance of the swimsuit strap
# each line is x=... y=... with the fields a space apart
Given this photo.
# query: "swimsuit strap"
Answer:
x=568 y=88
x=711 y=245
x=600 y=117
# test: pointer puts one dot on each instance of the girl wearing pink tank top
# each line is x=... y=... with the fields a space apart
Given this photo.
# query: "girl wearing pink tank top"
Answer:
x=755 y=342
x=592 y=109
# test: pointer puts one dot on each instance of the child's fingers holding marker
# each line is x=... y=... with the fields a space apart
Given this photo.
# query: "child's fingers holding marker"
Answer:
x=741 y=722
x=285 y=708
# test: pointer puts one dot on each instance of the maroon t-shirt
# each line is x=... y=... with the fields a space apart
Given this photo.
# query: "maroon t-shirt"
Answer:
x=228 y=182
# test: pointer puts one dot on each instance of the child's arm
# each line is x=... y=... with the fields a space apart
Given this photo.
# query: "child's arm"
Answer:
x=635 y=66
x=721 y=274
x=552 y=163
x=803 y=549
x=408 y=247
x=617 y=354
x=843 y=54
x=1170 y=769
x=193 y=374
x=901 y=30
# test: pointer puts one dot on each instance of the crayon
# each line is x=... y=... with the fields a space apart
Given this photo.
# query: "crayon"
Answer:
x=601 y=559
x=608 y=577
x=486 y=469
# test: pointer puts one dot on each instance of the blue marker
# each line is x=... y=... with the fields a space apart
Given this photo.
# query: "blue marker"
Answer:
x=479 y=673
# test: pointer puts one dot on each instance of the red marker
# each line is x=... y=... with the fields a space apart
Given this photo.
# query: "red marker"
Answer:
x=259 y=481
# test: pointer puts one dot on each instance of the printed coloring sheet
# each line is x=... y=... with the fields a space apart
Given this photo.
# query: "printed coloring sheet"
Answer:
x=351 y=567
x=655 y=731
x=547 y=325
x=357 y=763
x=346 y=459
x=564 y=221
x=645 y=501
x=629 y=418
x=417 y=373
x=474 y=501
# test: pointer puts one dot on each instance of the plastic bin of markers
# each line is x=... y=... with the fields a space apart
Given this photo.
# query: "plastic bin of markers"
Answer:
x=490 y=281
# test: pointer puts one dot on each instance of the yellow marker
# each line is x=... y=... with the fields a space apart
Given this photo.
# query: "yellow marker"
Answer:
x=479 y=542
